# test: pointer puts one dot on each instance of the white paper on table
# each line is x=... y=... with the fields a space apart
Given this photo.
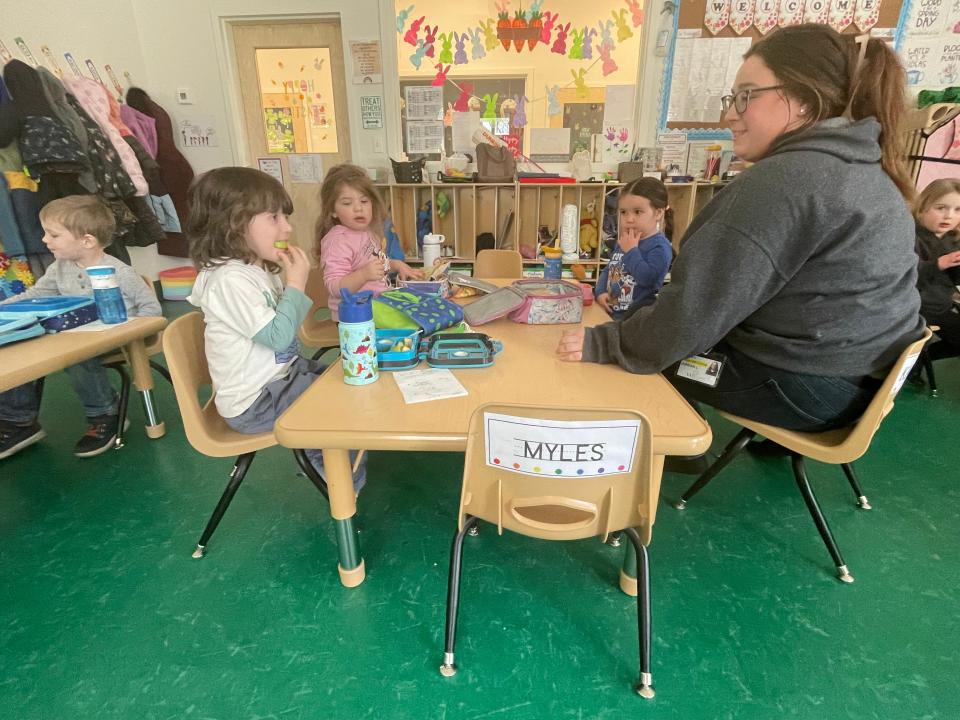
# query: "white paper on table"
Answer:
x=419 y=386
x=464 y=125
x=550 y=141
x=95 y=326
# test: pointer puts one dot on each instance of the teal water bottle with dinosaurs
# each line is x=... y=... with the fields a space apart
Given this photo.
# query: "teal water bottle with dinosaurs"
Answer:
x=358 y=338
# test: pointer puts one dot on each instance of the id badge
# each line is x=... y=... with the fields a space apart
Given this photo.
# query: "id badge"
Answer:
x=704 y=369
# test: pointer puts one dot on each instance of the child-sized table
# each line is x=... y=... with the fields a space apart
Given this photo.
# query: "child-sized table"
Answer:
x=28 y=360
x=339 y=417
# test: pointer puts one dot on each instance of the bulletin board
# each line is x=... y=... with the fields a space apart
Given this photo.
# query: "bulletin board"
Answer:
x=690 y=18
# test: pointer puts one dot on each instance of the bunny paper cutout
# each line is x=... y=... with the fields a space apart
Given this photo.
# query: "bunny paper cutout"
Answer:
x=431 y=39
x=623 y=31
x=553 y=105
x=490 y=109
x=576 y=50
x=520 y=114
x=411 y=36
x=446 y=55
x=441 y=77
x=462 y=103
x=460 y=58
x=588 y=34
x=476 y=47
x=402 y=18
x=579 y=81
x=560 y=44
x=417 y=56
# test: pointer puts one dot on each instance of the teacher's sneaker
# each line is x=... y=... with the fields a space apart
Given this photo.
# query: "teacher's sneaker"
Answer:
x=100 y=436
x=14 y=438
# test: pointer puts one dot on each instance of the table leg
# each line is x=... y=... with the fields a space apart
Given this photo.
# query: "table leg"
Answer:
x=343 y=506
x=136 y=352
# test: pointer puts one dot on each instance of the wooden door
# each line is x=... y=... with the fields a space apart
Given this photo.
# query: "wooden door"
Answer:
x=293 y=88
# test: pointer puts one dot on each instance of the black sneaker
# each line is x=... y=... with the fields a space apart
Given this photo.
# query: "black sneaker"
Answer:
x=14 y=438
x=100 y=436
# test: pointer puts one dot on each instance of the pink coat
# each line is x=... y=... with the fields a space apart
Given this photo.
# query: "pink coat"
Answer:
x=341 y=252
x=95 y=99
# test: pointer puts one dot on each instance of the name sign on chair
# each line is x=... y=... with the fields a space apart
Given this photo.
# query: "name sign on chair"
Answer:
x=555 y=448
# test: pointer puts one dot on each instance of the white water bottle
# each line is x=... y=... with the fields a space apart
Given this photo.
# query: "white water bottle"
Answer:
x=570 y=233
x=432 y=244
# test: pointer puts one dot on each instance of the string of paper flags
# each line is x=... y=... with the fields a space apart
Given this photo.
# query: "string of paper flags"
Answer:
x=765 y=15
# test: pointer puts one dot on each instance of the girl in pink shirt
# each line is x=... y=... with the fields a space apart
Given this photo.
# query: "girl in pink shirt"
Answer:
x=349 y=241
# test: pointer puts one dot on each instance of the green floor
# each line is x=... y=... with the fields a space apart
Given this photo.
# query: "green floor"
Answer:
x=103 y=613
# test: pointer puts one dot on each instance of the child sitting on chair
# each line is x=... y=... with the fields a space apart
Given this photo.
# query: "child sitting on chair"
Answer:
x=238 y=232
x=643 y=253
x=348 y=236
x=76 y=230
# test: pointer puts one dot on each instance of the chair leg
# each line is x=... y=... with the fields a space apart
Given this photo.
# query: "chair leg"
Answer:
x=927 y=365
x=644 y=686
x=240 y=468
x=311 y=472
x=800 y=472
x=449 y=667
x=729 y=453
x=124 y=401
x=162 y=370
x=855 y=484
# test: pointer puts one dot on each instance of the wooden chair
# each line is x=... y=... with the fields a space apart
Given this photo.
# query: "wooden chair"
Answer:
x=527 y=501
x=836 y=447
x=183 y=345
x=321 y=334
x=498 y=264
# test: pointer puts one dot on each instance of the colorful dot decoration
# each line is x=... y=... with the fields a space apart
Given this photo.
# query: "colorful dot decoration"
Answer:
x=537 y=469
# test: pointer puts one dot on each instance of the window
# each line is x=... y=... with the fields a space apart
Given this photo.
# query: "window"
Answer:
x=517 y=70
x=296 y=94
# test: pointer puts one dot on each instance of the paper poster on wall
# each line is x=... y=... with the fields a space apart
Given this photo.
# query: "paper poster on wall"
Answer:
x=465 y=124
x=424 y=137
x=424 y=102
x=278 y=126
x=559 y=449
x=367 y=67
x=272 y=167
x=921 y=58
x=197 y=131
x=550 y=144
x=930 y=17
x=704 y=69
x=674 y=144
x=371 y=112
x=618 y=123
x=948 y=72
x=305 y=168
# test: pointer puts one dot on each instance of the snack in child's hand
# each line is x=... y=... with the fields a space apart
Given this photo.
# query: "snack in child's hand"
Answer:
x=281 y=245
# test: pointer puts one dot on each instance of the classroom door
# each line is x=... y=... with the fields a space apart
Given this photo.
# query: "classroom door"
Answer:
x=294 y=95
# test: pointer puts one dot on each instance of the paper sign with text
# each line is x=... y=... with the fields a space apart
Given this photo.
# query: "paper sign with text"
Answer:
x=554 y=448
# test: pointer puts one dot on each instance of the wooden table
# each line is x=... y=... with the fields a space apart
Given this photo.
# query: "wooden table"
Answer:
x=29 y=360
x=338 y=417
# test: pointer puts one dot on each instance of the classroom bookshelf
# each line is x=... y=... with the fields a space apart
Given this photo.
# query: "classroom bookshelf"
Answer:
x=514 y=212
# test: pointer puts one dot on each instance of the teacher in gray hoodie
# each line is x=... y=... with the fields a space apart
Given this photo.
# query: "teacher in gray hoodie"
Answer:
x=800 y=277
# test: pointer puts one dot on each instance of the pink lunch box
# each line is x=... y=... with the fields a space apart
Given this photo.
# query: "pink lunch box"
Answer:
x=534 y=302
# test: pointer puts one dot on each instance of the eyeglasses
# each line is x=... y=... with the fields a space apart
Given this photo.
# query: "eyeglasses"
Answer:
x=741 y=99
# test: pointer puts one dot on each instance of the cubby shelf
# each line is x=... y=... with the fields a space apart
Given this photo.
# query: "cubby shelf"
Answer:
x=478 y=208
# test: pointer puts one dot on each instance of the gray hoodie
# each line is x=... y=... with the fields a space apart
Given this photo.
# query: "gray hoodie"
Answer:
x=804 y=263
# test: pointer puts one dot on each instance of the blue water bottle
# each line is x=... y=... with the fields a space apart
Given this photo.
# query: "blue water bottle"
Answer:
x=358 y=338
x=106 y=293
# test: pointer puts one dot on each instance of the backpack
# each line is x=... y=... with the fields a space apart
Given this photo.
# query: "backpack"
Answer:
x=495 y=164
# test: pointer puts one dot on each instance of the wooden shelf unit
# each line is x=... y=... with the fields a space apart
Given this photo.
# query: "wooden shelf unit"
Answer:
x=477 y=208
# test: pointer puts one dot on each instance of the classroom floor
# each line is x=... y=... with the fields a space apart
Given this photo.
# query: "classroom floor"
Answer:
x=104 y=614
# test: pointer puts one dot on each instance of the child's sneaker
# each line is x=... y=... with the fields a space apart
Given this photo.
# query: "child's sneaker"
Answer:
x=100 y=436
x=14 y=438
